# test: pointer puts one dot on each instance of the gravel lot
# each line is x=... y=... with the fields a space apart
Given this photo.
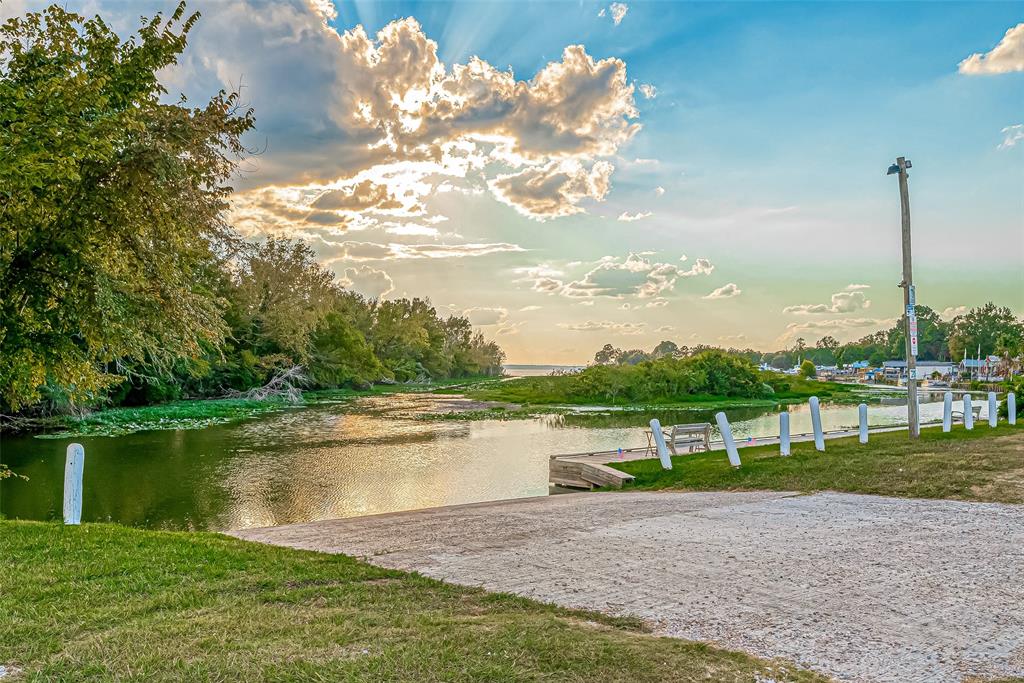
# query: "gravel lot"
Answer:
x=864 y=588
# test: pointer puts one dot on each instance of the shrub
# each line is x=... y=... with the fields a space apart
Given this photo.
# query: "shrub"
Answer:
x=807 y=369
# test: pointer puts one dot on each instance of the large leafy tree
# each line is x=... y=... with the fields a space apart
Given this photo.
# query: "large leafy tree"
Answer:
x=111 y=203
x=993 y=328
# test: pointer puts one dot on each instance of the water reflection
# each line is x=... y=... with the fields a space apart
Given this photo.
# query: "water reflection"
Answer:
x=353 y=458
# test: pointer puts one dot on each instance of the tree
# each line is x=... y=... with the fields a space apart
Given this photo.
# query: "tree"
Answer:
x=608 y=355
x=112 y=204
x=932 y=336
x=807 y=369
x=665 y=348
x=991 y=327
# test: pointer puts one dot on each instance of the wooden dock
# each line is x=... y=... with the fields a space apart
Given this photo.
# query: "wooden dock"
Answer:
x=590 y=470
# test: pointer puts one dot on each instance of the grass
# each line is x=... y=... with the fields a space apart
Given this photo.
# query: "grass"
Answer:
x=103 y=602
x=984 y=464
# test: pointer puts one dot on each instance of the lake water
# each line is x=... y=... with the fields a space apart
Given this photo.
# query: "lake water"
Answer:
x=358 y=457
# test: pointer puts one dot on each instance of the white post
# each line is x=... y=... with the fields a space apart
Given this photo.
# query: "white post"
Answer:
x=968 y=414
x=862 y=414
x=730 y=443
x=784 y=433
x=74 y=465
x=947 y=411
x=659 y=442
x=993 y=407
x=819 y=436
x=1011 y=408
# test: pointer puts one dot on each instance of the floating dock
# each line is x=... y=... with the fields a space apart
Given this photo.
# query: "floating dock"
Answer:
x=590 y=470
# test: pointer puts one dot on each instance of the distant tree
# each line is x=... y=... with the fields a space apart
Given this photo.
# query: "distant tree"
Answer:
x=995 y=329
x=807 y=369
x=608 y=355
x=665 y=348
x=828 y=342
x=932 y=336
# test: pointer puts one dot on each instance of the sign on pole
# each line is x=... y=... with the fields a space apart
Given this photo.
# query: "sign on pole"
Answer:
x=912 y=295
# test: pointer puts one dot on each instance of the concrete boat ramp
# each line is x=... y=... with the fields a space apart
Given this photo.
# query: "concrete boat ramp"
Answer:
x=864 y=588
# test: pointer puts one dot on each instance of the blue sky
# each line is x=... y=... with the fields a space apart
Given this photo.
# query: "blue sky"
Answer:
x=752 y=138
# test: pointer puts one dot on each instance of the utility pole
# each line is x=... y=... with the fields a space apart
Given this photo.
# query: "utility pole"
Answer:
x=909 y=299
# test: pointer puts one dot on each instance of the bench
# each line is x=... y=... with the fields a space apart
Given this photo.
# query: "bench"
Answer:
x=959 y=414
x=692 y=437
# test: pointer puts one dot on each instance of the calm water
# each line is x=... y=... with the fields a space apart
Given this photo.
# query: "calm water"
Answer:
x=354 y=458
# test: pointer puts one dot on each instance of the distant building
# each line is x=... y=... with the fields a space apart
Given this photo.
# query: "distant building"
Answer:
x=925 y=368
x=983 y=369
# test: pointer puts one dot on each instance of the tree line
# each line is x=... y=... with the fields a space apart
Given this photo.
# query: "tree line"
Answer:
x=120 y=279
x=993 y=329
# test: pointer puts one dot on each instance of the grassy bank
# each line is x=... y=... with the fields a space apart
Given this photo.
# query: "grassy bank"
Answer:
x=557 y=390
x=983 y=465
x=102 y=602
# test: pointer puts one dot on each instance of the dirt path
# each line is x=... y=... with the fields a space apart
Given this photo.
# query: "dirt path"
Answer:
x=865 y=588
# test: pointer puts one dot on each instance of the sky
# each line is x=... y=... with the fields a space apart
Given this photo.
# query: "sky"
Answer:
x=570 y=174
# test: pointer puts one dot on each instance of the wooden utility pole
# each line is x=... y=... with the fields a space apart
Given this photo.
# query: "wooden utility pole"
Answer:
x=909 y=300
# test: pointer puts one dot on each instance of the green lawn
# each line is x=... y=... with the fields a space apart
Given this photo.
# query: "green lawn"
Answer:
x=103 y=602
x=983 y=464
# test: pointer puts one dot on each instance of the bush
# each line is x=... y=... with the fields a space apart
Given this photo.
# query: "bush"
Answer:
x=807 y=369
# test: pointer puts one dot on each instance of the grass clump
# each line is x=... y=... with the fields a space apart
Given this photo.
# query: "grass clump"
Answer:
x=981 y=465
x=103 y=602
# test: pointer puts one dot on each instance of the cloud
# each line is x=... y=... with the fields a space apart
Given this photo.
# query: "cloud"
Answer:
x=482 y=315
x=951 y=312
x=855 y=287
x=658 y=191
x=368 y=281
x=616 y=278
x=524 y=309
x=1005 y=57
x=617 y=10
x=727 y=291
x=851 y=326
x=730 y=338
x=555 y=189
x=628 y=328
x=340 y=105
x=842 y=302
x=1011 y=136
x=665 y=328
x=351 y=250
x=629 y=218
x=648 y=91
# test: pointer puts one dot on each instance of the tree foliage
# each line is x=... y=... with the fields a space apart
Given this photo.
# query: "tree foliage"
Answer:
x=111 y=228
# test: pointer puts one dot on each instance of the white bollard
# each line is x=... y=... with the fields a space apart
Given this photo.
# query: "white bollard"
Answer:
x=862 y=414
x=819 y=436
x=784 y=433
x=730 y=443
x=74 y=466
x=659 y=442
x=947 y=411
x=1011 y=408
x=968 y=414
x=993 y=409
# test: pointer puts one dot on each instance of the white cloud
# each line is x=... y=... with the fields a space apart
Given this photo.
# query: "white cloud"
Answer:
x=665 y=328
x=951 y=312
x=630 y=217
x=555 y=189
x=855 y=287
x=367 y=281
x=731 y=338
x=351 y=250
x=1012 y=135
x=524 y=309
x=843 y=327
x=618 y=10
x=1005 y=57
x=658 y=191
x=648 y=91
x=616 y=278
x=628 y=328
x=482 y=315
x=842 y=302
x=727 y=291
